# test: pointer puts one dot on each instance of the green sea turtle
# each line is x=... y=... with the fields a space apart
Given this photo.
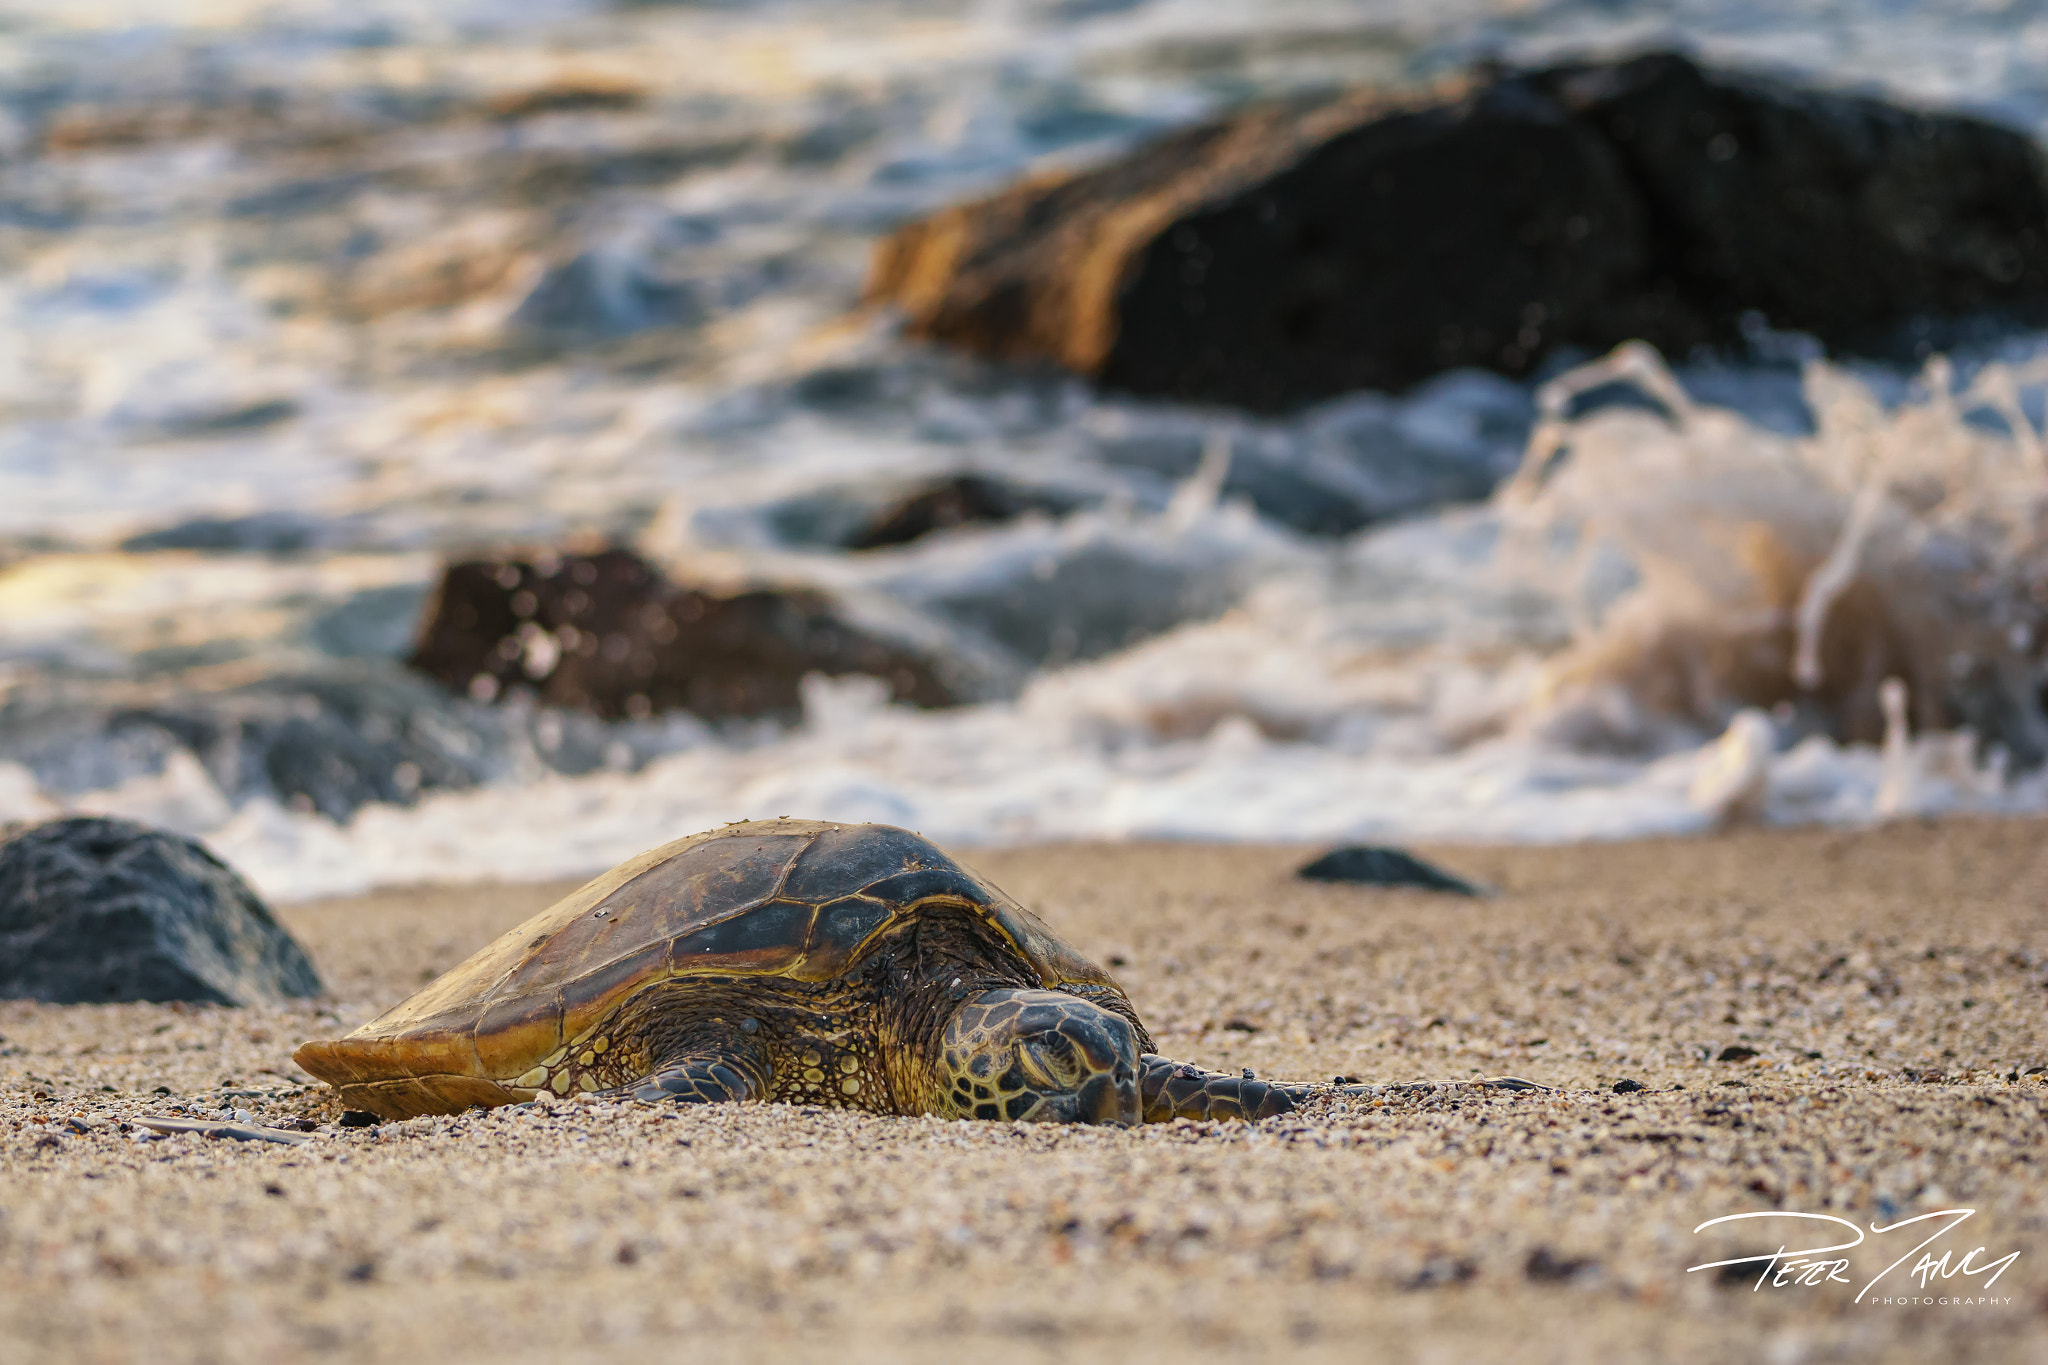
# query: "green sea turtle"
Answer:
x=852 y=965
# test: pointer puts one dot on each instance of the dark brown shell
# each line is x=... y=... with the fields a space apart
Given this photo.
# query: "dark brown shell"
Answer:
x=800 y=899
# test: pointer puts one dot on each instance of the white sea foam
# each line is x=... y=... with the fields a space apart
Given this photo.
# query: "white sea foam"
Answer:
x=1800 y=573
x=1407 y=686
x=291 y=376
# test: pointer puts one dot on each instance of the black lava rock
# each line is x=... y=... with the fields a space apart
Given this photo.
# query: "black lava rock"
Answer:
x=608 y=635
x=1289 y=252
x=1369 y=865
x=1627 y=1087
x=95 y=910
x=1548 y=1267
x=959 y=500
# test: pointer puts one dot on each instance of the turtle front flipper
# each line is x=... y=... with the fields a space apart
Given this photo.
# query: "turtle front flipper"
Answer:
x=1172 y=1090
x=706 y=1075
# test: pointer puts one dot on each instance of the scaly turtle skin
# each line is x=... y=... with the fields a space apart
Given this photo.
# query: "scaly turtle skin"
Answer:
x=852 y=965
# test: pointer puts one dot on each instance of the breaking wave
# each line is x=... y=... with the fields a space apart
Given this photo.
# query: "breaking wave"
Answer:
x=322 y=295
x=1671 y=616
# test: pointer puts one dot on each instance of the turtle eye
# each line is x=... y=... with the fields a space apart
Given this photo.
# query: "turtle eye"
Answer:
x=1051 y=1057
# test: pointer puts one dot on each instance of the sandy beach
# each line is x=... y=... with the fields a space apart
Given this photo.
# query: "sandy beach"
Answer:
x=1889 y=983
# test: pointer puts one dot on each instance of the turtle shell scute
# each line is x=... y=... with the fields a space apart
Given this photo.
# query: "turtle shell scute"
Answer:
x=763 y=937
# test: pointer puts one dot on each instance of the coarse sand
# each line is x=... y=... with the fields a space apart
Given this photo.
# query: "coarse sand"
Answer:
x=1878 y=996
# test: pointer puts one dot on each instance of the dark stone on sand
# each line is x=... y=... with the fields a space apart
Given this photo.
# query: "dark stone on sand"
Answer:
x=1741 y=1271
x=1290 y=252
x=1735 y=1052
x=1627 y=1087
x=358 y=1118
x=959 y=500
x=1548 y=1267
x=95 y=910
x=607 y=634
x=1439 y=1271
x=1369 y=865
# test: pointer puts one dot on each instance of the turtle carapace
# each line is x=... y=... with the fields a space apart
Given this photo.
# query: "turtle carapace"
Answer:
x=852 y=965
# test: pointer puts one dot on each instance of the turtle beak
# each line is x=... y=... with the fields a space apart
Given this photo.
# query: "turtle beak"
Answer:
x=1109 y=1098
x=1110 y=1094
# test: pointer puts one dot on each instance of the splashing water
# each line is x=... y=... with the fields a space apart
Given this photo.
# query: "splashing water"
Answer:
x=1794 y=574
x=374 y=314
x=1555 y=664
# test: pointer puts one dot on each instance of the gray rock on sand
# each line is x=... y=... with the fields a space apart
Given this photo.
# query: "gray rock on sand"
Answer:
x=97 y=910
x=1371 y=865
x=1290 y=252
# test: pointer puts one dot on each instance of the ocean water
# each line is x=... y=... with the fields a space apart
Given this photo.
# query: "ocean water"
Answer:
x=298 y=298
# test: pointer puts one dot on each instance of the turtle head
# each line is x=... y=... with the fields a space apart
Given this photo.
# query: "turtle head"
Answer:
x=1043 y=1056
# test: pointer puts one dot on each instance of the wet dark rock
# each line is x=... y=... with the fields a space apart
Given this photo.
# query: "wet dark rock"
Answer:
x=1369 y=865
x=1627 y=1087
x=97 y=910
x=329 y=743
x=1350 y=463
x=363 y=731
x=1292 y=252
x=1317 y=502
x=961 y=500
x=271 y=533
x=607 y=634
x=1083 y=600
x=865 y=516
x=227 y=421
x=603 y=294
x=846 y=388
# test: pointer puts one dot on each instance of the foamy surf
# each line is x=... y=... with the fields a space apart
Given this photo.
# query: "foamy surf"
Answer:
x=1475 y=674
x=297 y=305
